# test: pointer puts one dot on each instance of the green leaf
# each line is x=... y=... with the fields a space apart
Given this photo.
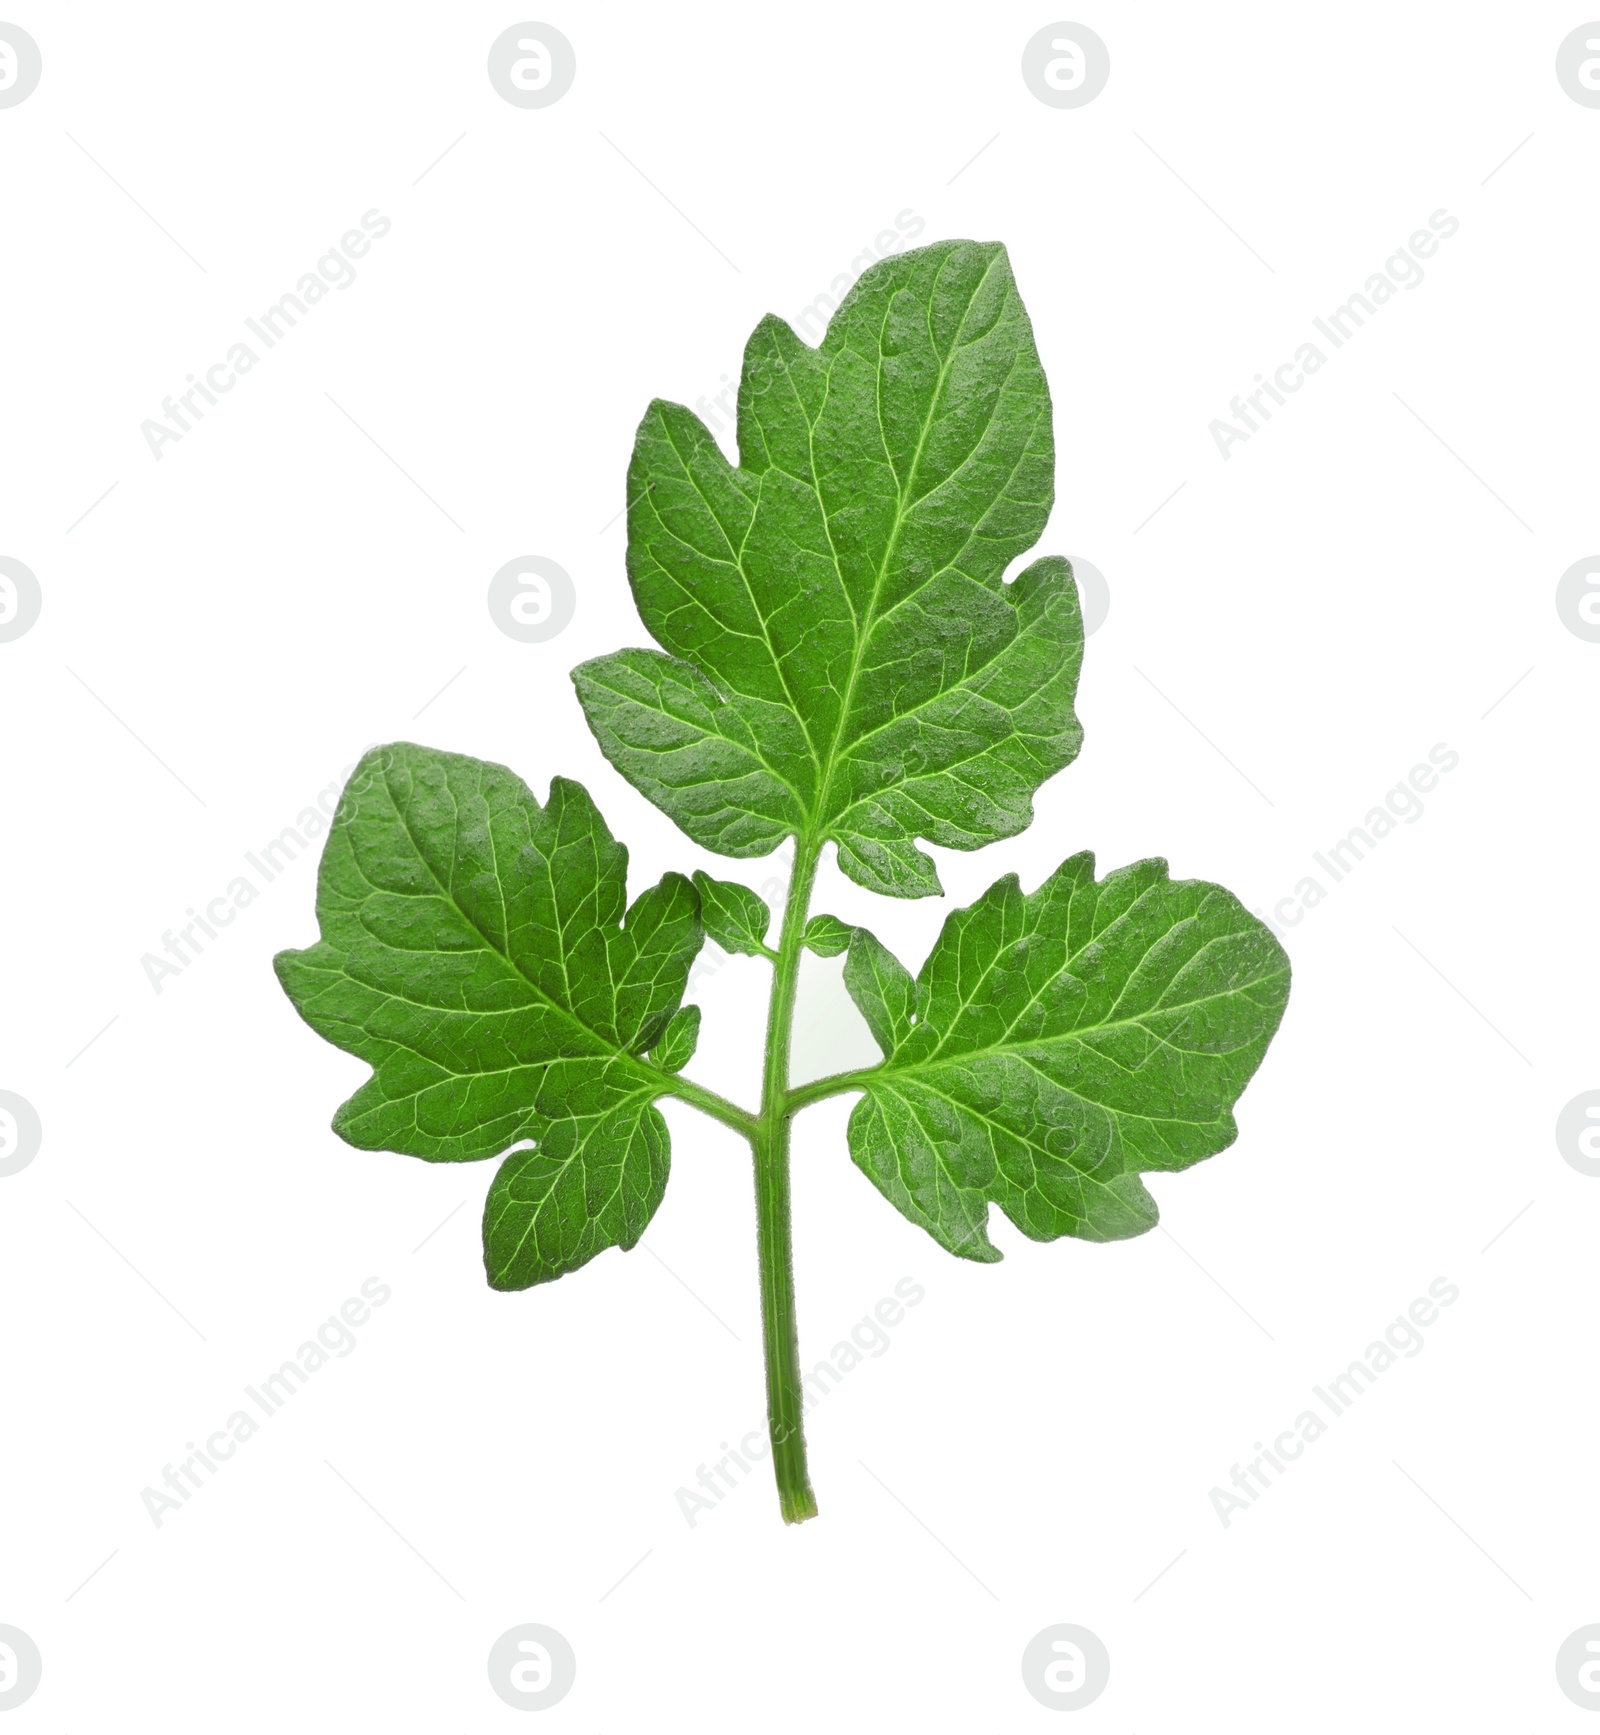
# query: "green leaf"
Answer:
x=840 y=657
x=590 y=1185
x=734 y=916
x=476 y=951
x=827 y=936
x=666 y=729
x=1063 y=1042
x=678 y=1041
x=882 y=988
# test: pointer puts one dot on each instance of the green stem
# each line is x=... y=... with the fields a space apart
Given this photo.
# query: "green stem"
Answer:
x=708 y=1102
x=835 y=1084
x=775 y=1240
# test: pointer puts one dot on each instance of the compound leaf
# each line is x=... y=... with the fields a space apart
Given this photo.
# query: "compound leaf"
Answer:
x=478 y=952
x=1059 y=1044
x=840 y=655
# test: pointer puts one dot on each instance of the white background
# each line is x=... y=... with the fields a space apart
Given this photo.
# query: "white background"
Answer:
x=1328 y=603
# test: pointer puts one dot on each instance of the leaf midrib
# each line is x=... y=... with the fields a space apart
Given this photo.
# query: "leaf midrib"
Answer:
x=939 y=1062
x=818 y=821
x=902 y=507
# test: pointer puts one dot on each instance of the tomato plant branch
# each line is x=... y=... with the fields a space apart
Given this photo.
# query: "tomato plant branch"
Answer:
x=523 y=1009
